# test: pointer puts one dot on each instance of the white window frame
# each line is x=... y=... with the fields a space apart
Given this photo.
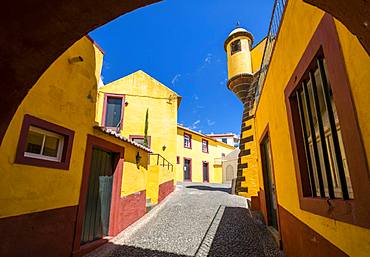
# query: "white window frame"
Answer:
x=187 y=141
x=45 y=133
x=205 y=146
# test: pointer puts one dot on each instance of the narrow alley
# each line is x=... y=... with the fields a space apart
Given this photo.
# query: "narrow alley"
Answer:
x=152 y=128
x=196 y=220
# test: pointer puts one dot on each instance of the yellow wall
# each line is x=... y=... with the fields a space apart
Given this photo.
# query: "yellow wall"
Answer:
x=134 y=177
x=65 y=95
x=271 y=111
x=157 y=174
x=257 y=55
x=215 y=149
x=143 y=92
x=239 y=62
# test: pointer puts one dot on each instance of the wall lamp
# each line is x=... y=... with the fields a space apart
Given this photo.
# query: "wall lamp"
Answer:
x=138 y=158
x=75 y=59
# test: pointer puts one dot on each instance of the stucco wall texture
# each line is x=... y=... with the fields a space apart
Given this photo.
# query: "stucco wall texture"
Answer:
x=142 y=93
x=272 y=112
x=213 y=157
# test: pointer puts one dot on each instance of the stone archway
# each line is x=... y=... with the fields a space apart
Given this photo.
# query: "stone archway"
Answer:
x=355 y=15
x=34 y=33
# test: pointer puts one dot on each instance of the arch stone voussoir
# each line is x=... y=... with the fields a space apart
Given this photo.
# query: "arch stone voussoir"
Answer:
x=35 y=33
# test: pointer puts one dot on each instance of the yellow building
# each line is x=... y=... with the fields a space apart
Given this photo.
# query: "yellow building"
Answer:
x=54 y=159
x=199 y=157
x=314 y=190
x=124 y=106
x=243 y=63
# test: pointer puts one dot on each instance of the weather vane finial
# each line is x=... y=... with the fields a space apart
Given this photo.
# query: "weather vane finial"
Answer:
x=238 y=24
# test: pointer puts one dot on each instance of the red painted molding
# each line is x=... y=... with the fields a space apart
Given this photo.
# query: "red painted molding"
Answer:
x=68 y=135
x=46 y=233
x=93 y=141
x=165 y=189
x=95 y=43
x=130 y=208
x=298 y=239
x=106 y=95
x=131 y=137
x=357 y=211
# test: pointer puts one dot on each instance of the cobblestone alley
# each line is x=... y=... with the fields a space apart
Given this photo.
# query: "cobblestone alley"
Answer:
x=195 y=220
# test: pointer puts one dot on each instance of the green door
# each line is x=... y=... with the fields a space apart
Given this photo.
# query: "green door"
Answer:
x=99 y=195
x=269 y=183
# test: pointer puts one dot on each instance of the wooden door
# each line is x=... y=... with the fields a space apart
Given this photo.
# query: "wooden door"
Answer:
x=205 y=172
x=99 y=194
x=269 y=183
x=187 y=169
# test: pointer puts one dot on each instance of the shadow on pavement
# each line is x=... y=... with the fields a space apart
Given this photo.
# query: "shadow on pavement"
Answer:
x=132 y=251
x=210 y=188
x=240 y=235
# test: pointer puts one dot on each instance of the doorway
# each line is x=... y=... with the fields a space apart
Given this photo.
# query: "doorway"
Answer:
x=205 y=172
x=187 y=169
x=99 y=195
x=269 y=183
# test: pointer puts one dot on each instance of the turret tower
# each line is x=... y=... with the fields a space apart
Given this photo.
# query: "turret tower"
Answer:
x=242 y=81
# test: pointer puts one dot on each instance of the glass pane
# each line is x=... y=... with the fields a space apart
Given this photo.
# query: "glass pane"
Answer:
x=316 y=176
x=343 y=154
x=310 y=144
x=51 y=146
x=113 y=112
x=186 y=141
x=345 y=165
x=324 y=118
x=333 y=166
x=139 y=140
x=34 y=142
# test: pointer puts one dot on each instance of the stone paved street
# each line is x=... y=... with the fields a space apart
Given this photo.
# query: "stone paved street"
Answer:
x=195 y=220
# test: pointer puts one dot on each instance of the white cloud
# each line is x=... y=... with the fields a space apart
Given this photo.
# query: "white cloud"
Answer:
x=211 y=123
x=195 y=123
x=175 y=79
x=208 y=59
x=196 y=97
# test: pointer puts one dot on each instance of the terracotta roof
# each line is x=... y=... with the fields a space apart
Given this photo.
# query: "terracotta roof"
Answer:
x=122 y=138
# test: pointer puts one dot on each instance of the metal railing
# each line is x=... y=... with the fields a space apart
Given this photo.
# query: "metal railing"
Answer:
x=159 y=160
x=276 y=17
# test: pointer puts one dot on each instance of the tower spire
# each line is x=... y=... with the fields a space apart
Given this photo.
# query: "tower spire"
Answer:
x=238 y=24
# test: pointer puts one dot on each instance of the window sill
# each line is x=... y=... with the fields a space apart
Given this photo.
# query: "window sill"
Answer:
x=39 y=123
x=337 y=209
x=41 y=163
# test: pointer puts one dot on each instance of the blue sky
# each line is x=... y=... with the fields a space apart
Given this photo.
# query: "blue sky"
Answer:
x=180 y=43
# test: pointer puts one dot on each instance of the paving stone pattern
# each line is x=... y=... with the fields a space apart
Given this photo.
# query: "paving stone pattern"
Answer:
x=195 y=220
